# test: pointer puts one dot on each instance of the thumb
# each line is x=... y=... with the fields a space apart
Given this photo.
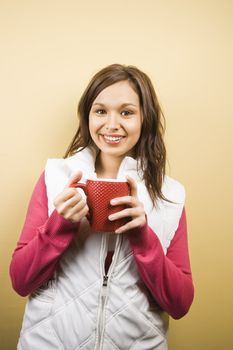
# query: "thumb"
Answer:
x=74 y=179
x=132 y=185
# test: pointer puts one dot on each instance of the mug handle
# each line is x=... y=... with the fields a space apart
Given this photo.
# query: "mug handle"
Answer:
x=80 y=185
x=84 y=188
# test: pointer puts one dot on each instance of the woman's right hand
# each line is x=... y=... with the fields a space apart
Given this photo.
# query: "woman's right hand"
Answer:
x=70 y=203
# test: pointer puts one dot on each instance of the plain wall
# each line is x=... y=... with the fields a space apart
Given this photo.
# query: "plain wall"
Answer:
x=50 y=50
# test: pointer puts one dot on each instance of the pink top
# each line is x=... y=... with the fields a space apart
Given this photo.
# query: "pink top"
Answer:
x=44 y=239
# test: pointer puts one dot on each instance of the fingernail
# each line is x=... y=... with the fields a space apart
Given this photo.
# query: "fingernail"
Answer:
x=113 y=201
x=110 y=217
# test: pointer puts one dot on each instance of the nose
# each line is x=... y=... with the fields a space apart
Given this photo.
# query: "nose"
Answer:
x=112 y=122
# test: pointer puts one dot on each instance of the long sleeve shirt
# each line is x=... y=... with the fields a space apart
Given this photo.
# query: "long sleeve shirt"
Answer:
x=45 y=238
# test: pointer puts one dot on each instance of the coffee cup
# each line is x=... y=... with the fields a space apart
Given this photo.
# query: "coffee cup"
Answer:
x=99 y=193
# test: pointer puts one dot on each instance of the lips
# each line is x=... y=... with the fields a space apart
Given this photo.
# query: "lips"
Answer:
x=112 y=138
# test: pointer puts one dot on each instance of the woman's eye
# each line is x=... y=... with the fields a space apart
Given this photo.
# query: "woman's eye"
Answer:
x=126 y=113
x=100 y=111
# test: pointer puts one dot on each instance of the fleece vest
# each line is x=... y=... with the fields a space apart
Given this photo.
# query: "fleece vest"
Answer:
x=81 y=308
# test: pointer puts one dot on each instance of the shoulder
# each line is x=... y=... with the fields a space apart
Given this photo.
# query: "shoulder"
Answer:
x=59 y=168
x=65 y=163
x=173 y=190
x=60 y=161
x=82 y=160
x=56 y=168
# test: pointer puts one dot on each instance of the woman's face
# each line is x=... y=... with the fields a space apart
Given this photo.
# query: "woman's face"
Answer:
x=115 y=120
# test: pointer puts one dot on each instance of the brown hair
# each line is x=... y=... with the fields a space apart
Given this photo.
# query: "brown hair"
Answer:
x=150 y=150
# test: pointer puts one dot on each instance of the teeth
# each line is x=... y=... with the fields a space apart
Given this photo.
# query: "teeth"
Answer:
x=113 y=138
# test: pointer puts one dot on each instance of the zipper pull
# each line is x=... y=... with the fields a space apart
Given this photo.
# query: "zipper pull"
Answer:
x=105 y=281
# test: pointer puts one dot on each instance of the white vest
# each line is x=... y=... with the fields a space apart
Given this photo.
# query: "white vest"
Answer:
x=75 y=310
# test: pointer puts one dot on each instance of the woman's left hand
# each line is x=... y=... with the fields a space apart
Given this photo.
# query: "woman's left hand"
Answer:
x=135 y=209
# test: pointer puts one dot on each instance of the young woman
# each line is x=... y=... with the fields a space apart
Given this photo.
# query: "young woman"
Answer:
x=92 y=290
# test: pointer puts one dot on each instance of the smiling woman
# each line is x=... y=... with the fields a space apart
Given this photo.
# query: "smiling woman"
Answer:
x=93 y=289
x=131 y=86
x=114 y=129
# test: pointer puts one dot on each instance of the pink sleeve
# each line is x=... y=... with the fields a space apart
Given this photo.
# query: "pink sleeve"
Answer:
x=41 y=244
x=168 y=277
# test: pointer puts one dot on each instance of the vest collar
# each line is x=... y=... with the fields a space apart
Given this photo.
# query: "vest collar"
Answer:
x=87 y=157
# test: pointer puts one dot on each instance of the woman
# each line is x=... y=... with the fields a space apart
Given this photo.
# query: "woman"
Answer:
x=106 y=290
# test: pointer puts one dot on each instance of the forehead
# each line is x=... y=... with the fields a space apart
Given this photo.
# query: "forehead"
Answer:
x=118 y=93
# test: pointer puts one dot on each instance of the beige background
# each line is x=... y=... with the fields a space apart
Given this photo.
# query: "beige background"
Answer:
x=50 y=50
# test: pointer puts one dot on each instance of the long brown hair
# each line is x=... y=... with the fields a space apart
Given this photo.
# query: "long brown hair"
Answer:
x=150 y=150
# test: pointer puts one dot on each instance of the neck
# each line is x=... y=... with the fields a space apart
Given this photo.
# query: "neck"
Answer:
x=107 y=166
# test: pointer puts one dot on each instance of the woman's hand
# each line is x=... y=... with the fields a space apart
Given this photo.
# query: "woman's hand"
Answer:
x=135 y=209
x=69 y=203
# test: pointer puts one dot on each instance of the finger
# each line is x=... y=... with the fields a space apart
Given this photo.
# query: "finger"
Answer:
x=81 y=214
x=132 y=185
x=130 y=225
x=67 y=208
x=65 y=195
x=129 y=212
x=74 y=179
x=77 y=216
x=127 y=200
x=78 y=208
x=74 y=200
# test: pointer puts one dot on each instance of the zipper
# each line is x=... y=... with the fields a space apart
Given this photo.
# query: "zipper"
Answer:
x=104 y=292
x=105 y=281
x=102 y=310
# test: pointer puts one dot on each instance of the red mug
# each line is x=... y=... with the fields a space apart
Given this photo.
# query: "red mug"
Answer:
x=99 y=193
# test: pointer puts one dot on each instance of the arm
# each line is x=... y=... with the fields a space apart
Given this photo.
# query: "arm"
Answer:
x=41 y=244
x=168 y=277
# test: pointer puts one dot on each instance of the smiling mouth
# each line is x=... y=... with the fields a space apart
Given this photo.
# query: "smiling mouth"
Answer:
x=112 y=139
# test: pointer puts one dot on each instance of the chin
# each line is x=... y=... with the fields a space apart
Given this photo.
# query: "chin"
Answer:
x=113 y=152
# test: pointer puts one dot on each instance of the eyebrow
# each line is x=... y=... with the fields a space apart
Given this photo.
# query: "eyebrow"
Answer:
x=123 y=105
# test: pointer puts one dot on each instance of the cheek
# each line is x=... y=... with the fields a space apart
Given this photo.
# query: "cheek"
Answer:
x=94 y=127
x=91 y=128
x=95 y=123
x=135 y=130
